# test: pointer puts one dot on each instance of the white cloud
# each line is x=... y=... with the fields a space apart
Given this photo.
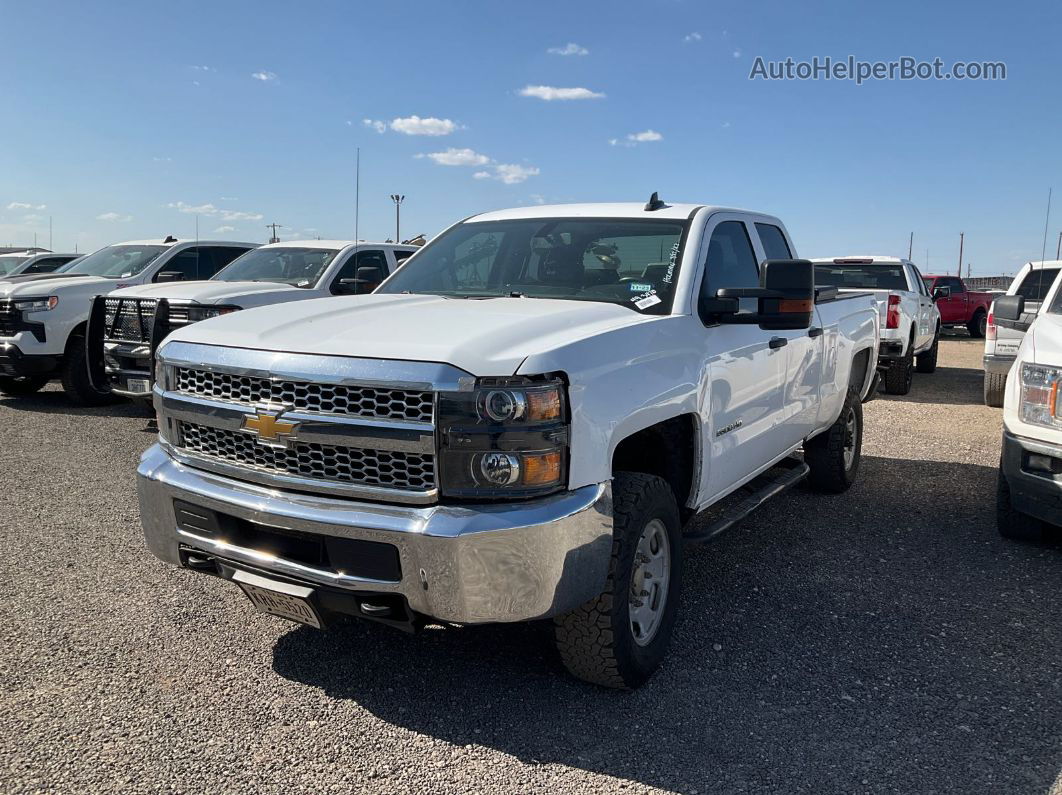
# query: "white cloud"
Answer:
x=643 y=137
x=26 y=206
x=457 y=157
x=162 y=159
x=264 y=76
x=550 y=93
x=210 y=209
x=379 y=126
x=695 y=36
x=538 y=198
x=229 y=199
x=509 y=173
x=737 y=53
x=204 y=68
x=571 y=48
x=195 y=82
x=415 y=125
x=223 y=229
x=114 y=217
x=32 y=218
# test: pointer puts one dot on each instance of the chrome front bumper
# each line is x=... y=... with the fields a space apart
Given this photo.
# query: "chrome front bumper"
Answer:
x=467 y=564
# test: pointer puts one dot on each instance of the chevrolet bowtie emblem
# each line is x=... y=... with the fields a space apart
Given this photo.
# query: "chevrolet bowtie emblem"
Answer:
x=269 y=428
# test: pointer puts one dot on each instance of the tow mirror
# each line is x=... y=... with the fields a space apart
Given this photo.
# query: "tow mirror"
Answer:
x=1009 y=307
x=941 y=292
x=367 y=280
x=785 y=297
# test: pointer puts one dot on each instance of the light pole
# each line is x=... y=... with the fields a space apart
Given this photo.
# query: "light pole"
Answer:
x=397 y=199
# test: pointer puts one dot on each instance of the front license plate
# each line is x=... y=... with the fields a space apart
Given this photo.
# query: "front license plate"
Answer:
x=280 y=599
x=139 y=385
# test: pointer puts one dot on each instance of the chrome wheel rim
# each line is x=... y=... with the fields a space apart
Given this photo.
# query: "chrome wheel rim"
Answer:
x=851 y=436
x=650 y=578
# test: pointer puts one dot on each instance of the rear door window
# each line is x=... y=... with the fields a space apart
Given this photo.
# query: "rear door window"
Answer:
x=774 y=243
x=220 y=256
x=1037 y=283
x=189 y=264
x=46 y=265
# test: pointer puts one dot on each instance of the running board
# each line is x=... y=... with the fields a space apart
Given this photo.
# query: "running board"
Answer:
x=758 y=491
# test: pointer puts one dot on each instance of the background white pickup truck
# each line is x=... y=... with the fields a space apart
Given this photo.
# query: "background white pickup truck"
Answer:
x=910 y=322
x=29 y=263
x=43 y=318
x=517 y=425
x=1030 y=472
x=128 y=324
x=1032 y=283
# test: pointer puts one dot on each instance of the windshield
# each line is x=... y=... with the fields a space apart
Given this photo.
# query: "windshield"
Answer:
x=629 y=262
x=1036 y=284
x=8 y=264
x=117 y=262
x=861 y=277
x=299 y=267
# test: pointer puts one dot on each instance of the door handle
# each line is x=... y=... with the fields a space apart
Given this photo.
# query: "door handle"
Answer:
x=814 y=331
x=777 y=342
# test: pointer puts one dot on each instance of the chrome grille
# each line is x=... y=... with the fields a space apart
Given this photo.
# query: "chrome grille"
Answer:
x=129 y=319
x=9 y=317
x=358 y=401
x=363 y=467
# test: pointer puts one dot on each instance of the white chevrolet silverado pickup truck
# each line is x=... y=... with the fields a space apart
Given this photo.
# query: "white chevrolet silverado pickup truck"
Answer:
x=43 y=317
x=519 y=424
x=910 y=322
x=1029 y=494
x=127 y=325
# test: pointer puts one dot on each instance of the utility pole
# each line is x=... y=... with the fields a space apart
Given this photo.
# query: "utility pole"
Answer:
x=961 y=236
x=398 y=204
x=910 y=244
x=1058 y=249
x=50 y=247
x=274 y=226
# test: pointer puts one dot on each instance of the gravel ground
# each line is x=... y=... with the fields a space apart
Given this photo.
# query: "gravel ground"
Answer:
x=887 y=640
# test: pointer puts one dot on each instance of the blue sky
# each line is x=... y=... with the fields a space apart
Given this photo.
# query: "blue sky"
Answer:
x=122 y=120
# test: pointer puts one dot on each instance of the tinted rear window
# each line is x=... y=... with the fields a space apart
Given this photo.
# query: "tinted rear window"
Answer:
x=861 y=277
x=1036 y=283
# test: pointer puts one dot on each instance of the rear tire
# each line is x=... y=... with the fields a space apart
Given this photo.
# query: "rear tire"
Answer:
x=927 y=361
x=978 y=325
x=1010 y=522
x=76 y=382
x=995 y=387
x=20 y=386
x=833 y=456
x=613 y=640
x=900 y=374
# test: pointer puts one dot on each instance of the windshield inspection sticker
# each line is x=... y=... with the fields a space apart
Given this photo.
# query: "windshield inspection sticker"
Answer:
x=641 y=288
x=647 y=300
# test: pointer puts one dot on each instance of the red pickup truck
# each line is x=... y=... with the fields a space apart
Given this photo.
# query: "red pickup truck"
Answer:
x=959 y=306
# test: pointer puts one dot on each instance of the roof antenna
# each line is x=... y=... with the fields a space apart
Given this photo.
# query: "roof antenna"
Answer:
x=654 y=203
x=170 y=239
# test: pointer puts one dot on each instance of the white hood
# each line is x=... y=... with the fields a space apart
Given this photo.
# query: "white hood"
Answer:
x=1045 y=340
x=481 y=336
x=60 y=286
x=212 y=292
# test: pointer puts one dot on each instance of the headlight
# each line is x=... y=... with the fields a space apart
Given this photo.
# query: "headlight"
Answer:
x=507 y=437
x=1040 y=401
x=197 y=312
x=36 y=304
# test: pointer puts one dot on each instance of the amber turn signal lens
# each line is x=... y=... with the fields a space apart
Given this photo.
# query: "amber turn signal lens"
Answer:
x=787 y=305
x=542 y=469
x=543 y=405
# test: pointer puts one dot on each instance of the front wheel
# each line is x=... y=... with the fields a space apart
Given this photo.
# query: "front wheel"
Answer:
x=833 y=456
x=618 y=639
x=20 y=386
x=76 y=381
x=978 y=325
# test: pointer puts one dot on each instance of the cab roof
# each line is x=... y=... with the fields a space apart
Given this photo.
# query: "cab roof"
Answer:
x=337 y=244
x=599 y=210
x=858 y=259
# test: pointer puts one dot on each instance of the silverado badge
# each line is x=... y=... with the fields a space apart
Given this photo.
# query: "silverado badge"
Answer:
x=268 y=428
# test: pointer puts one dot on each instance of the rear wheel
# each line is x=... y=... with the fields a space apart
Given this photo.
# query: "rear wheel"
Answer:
x=76 y=382
x=900 y=374
x=927 y=361
x=619 y=639
x=1013 y=523
x=978 y=325
x=995 y=387
x=19 y=386
x=833 y=456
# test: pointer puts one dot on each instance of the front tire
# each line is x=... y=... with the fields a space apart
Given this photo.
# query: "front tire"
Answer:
x=995 y=388
x=76 y=382
x=1010 y=522
x=620 y=638
x=978 y=325
x=833 y=456
x=21 y=386
x=927 y=361
x=900 y=374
